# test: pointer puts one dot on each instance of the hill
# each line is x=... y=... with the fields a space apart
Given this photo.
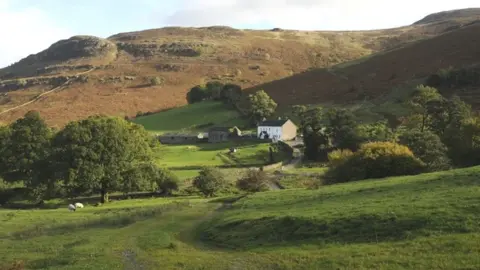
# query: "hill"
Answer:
x=86 y=75
x=376 y=76
x=428 y=221
x=467 y=14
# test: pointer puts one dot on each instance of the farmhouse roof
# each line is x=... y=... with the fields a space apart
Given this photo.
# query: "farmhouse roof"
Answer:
x=273 y=123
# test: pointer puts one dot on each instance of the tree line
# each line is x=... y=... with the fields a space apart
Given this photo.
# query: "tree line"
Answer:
x=439 y=133
x=97 y=155
x=256 y=106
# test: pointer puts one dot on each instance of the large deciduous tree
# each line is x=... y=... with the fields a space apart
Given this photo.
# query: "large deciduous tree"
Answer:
x=24 y=148
x=261 y=105
x=103 y=154
x=422 y=100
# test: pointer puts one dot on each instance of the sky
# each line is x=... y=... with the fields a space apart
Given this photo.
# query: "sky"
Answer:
x=30 y=26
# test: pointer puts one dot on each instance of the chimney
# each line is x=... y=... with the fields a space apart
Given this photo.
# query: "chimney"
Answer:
x=264 y=119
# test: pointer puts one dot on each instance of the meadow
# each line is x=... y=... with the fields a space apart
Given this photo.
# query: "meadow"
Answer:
x=194 y=117
x=429 y=221
x=186 y=161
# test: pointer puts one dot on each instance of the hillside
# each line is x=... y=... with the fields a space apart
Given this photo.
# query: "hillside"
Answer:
x=427 y=221
x=375 y=76
x=91 y=75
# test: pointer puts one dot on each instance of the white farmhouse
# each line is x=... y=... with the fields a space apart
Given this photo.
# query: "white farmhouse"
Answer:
x=277 y=130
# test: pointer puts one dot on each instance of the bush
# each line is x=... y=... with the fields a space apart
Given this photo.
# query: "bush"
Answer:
x=156 y=81
x=375 y=160
x=209 y=182
x=167 y=181
x=337 y=157
x=197 y=94
x=253 y=181
x=428 y=147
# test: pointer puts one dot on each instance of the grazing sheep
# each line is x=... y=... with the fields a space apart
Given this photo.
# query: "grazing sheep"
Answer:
x=78 y=205
x=72 y=207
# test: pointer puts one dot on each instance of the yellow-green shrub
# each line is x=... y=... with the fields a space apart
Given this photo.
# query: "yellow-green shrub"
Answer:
x=337 y=157
x=375 y=160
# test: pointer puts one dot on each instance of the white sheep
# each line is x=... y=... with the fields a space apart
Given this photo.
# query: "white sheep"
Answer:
x=72 y=207
x=78 y=205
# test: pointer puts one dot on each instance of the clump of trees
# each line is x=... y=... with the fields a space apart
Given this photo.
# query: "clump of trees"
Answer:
x=97 y=155
x=228 y=93
x=438 y=134
x=450 y=78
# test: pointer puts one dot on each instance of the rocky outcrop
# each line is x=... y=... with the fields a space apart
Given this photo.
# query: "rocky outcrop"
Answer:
x=18 y=84
x=169 y=67
x=174 y=48
x=72 y=48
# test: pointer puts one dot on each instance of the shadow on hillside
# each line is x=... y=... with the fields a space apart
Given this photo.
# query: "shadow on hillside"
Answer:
x=291 y=231
x=115 y=220
x=348 y=228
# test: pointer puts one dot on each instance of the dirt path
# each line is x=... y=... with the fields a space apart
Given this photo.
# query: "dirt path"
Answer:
x=46 y=93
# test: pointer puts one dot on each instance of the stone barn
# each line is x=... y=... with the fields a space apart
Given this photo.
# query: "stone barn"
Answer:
x=180 y=138
x=218 y=134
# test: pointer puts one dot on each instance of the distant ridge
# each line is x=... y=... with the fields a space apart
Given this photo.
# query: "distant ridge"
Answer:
x=467 y=13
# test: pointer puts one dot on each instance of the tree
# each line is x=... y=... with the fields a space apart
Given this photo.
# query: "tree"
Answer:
x=214 y=89
x=315 y=138
x=341 y=128
x=374 y=132
x=166 y=181
x=261 y=105
x=103 y=154
x=253 y=181
x=231 y=94
x=299 y=112
x=428 y=147
x=448 y=114
x=209 y=181
x=196 y=94
x=24 y=149
x=421 y=99
x=464 y=143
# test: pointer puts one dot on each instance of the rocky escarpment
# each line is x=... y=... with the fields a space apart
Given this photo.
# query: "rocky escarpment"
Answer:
x=190 y=49
x=78 y=51
x=13 y=85
x=72 y=48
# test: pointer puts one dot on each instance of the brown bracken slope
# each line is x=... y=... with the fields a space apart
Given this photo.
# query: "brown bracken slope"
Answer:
x=112 y=76
x=378 y=74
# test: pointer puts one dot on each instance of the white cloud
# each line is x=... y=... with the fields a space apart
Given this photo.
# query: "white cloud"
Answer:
x=26 y=31
x=309 y=14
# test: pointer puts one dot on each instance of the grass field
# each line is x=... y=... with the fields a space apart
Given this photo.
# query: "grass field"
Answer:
x=186 y=161
x=429 y=221
x=249 y=153
x=191 y=118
